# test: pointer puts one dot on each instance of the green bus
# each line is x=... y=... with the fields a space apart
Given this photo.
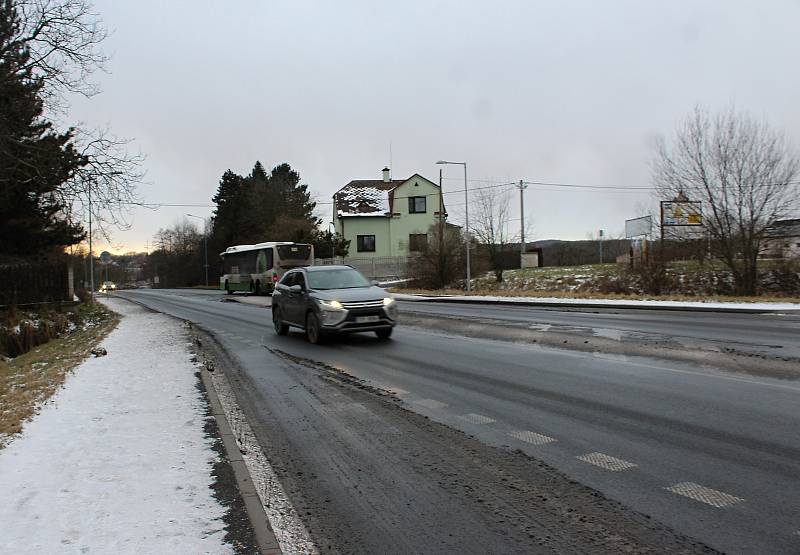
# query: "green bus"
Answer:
x=257 y=268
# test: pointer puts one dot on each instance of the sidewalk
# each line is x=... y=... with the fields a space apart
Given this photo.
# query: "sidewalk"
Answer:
x=120 y=460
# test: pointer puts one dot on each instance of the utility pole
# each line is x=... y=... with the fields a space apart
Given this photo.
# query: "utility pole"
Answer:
x=205 y=243
x=466 y=219
x=91 y=256
x=522 y=186
x=601 y=246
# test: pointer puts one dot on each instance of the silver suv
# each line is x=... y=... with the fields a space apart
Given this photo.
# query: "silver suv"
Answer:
x=324 y=300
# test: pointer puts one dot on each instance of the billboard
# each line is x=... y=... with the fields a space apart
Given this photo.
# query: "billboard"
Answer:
x=681 y=213
x=638 y=227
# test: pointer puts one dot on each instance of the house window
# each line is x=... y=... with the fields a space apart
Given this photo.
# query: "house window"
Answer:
x=416 y=205
x=365 y=243
x=417 y=242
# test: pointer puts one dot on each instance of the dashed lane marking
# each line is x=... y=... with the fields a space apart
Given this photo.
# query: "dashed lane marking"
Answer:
x=431 y=403
x=531 y=437
x=473 y=418
x=705 y=495
x=606 y=461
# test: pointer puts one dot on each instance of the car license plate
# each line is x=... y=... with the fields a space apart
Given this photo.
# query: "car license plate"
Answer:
x=365 y=319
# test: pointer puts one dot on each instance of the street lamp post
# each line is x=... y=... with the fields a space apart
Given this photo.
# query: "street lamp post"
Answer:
x=333 y=241
x=205 y=243
x=466 y=218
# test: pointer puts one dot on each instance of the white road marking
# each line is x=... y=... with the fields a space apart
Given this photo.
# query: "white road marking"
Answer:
x=606 y=461
x=531 y=437
x=473 y=418
x=705 y=495
x=431 y=403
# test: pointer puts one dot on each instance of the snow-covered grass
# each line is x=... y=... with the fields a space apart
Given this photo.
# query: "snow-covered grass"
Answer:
x=29 y=379
x=686 y=281
x=117 y=461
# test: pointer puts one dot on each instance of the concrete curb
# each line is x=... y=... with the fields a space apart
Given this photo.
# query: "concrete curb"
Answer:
x=593 y=305
x=255 y=510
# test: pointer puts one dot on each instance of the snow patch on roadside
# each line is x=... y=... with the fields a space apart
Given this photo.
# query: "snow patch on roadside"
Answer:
x=117 y=461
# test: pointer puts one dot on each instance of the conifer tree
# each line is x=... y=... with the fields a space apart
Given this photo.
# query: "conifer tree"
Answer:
x=34 y=159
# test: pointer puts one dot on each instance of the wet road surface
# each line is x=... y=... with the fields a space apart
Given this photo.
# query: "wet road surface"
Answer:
x=713 y=455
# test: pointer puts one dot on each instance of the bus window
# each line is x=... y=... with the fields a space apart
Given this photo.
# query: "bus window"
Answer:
x=294 y=253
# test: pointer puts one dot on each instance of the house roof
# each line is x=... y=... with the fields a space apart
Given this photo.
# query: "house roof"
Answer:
x=785 y=228
x=365 y=197
x=368 y=197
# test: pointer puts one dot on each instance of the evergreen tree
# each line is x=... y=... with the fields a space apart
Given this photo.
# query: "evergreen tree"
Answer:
x=263 y=207
x=230 y=208
x=34 y=159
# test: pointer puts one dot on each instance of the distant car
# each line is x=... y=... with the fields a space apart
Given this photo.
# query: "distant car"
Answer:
x=107 y=286
x=324 y=300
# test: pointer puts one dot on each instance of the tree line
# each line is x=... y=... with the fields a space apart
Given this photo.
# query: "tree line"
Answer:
x=256 y=207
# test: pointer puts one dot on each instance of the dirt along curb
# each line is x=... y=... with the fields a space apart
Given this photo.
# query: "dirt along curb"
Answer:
x=265 y=537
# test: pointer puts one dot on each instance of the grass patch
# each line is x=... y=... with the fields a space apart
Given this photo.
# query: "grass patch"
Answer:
x=30 y=379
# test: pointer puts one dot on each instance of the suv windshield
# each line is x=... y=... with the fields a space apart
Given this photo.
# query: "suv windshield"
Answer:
x=336 y=279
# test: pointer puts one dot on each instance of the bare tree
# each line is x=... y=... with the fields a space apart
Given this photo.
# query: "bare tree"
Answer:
x=111 y=174
x=64 y=38
x=744 y=174
x=490 y=226
x=440 y=260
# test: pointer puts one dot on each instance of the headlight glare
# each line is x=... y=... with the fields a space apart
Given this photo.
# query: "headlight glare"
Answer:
x=387 y=301
x=335 y=305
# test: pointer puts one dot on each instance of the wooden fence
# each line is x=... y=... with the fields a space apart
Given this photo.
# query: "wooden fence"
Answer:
x=34 y=283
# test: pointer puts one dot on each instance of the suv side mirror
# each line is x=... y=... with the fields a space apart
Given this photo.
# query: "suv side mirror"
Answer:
x=375 y=282
x=296 y=289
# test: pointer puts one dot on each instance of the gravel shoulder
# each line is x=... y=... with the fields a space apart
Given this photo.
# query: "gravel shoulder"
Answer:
x=366 y=475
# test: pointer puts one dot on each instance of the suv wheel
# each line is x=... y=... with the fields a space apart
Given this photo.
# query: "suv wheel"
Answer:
x=385 y=333
x=281 y=327
x=313 y=331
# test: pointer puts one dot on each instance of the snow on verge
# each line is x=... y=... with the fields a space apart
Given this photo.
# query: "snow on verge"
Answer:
x=117 y=461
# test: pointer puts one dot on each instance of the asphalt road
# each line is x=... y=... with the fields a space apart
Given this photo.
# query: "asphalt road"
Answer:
x=775 y=335
x=714 y=455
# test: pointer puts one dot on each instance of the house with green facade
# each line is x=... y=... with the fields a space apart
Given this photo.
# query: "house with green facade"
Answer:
x=387 y=217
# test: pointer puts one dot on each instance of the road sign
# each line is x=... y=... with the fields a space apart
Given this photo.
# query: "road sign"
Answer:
x=638 y=227
x=105 y=257
x=681 y=213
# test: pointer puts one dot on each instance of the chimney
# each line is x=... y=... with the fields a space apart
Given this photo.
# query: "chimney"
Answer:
x=386 y=177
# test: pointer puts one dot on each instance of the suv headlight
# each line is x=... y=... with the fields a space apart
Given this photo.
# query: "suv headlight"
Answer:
x=330 y=305
x=388 y=301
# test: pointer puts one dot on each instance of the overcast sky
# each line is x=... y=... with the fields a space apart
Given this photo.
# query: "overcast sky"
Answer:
x=570 y=92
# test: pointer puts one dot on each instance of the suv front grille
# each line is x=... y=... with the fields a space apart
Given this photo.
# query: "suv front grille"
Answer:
x=363 y=304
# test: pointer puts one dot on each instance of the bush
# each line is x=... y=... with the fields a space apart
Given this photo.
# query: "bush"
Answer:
x=22 y=332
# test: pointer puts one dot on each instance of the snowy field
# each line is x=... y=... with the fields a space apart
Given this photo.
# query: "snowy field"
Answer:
x=117 y=461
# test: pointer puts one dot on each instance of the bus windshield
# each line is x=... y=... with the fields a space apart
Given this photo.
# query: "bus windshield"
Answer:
x=345 y=278
x=294 y=252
